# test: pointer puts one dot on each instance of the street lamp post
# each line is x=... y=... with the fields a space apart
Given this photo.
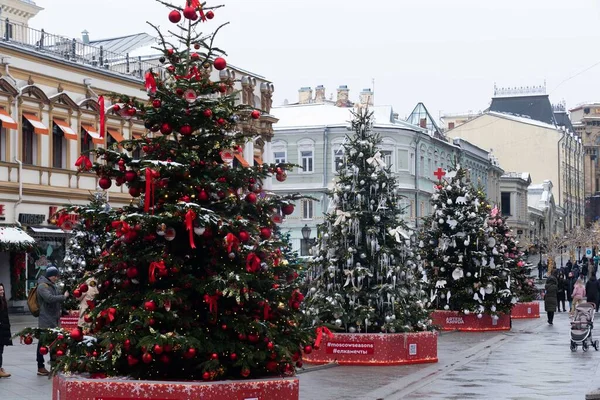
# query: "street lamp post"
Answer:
x=306 y=236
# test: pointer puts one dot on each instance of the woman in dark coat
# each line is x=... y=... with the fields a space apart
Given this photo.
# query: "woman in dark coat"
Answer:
x=5 y=336
x=592 y=291
x=550 y=299
x=562 y=292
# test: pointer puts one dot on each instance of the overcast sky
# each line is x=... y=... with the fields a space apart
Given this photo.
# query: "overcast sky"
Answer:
x=445 y=53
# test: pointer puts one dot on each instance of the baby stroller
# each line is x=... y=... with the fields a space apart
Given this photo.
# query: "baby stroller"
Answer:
x=581 y=327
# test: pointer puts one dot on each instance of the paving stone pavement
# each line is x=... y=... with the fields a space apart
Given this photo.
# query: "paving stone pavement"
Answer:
x=533 y=361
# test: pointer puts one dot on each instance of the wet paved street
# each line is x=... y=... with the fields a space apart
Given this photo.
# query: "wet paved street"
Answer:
x=533 y=361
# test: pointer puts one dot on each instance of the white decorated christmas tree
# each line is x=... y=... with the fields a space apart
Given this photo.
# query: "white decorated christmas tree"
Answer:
x=363 y=277
x=464 y=262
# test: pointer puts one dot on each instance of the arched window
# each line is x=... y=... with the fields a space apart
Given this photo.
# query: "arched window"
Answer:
x=306 y=156
x=279 y=148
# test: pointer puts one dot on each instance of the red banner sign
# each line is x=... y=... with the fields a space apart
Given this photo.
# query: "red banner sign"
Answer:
x=350 y=348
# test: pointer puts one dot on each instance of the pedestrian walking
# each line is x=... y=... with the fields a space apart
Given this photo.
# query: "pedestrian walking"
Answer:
x=540 y=270
x=578 y=294
x=562 y=292
x=50 y=309
x=585 y=269
x=550 y=299
x=569 y=283
x=5 y=336
x=592 y=291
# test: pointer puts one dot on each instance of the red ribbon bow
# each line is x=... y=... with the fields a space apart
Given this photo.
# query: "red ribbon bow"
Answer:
x=102 y=115
x=320 y=331
x=232 y=242
x=252 y=263
x=83 y=163
x=149 y=196
x=150 y=82
x=111 y=314
x=267 y=311
x=156 y=265
x=196 y=4
x=212 y=302
x=190 y=216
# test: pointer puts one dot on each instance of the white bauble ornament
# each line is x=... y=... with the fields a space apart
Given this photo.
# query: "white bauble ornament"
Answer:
x=479 y=316
x=446 y=307
x=313 y=290
x=352 y=329
x=338 y=322
x=467 y=312
x=388 y=319
x=376 y=218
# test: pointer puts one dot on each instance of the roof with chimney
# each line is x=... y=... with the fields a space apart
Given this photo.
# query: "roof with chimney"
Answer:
x=315 y=115
x=525 y=102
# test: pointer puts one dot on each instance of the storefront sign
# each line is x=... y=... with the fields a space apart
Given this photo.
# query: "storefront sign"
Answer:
x=2 y=216
x=350 y=348
x=32 y=219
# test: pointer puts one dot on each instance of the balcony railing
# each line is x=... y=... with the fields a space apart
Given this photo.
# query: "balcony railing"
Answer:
x=76 y=51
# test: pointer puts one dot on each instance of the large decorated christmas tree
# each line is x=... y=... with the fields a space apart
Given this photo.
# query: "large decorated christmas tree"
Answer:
x=521 y=282
x=194 y=285
x=364 y=277
x=463 y=260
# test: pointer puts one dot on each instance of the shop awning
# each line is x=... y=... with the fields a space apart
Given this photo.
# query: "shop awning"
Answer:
x=67 y=130
x=258 y=160
x=38 y=126
x=94 y=134
x=241 y=160
x=7 y=121
x=47 y=230
x=15 y=239
x=136 y=135
x=115 y=134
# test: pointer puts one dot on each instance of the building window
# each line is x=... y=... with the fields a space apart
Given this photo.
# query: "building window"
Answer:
x=386 y=156
x=403 y=160
x=413 y=209
x=505 y=203
x=306 y=154
x=338 y=157
x=305 y=245
x=307 y=209
x=59 y=147
x=9 y=30
x=29 y=150
x=422 y=166
x=279 y=149
x=411 y=165
x=86 y=144
x=3 y=134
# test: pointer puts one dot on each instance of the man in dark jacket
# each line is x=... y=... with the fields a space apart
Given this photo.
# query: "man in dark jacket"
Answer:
x=550 y=298
x=592 y=291
x=50 y=306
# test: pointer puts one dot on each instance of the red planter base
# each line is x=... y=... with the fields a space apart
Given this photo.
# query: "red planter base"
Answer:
x=69 y=322
x=455 y=321
x=525 y=310
x=78 y=388
x=376 y=349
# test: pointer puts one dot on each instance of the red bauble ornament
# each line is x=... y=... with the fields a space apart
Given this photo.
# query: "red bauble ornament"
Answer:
x=174 y=16
x=43 y=350
x=131 y=111
x=179 y=91
x=233 y=357
x=77 y=293
x=132 y=272
x=156 y=103
x=83 y=288
x=130 y=176
x=27 y=340
x=76 y=334
x=195 y=56
x=190 y=353
x=190 y=13
x=116 y=107
x=255 y=114
x=127 y=344
x=245 y=372
x=151 y=322
x=207 y=113
x=270 y=345
x=221 y=121
x=214 y=356
x=203 y=196
x=288 y=209
x=265 y=233
x=271 y=366
x=242 y=337
x=299 y=364
x=165 y=359
x=244 y=236
x=206 y=376
x=60 y=353
x=308 y=349
x=253 y=338
x=134 y=192
x=166 y=128
x=104 y=183
x=150 y=305
x=186 y=130
x=210 y=14
x=158 y=349
x=131 y=360
x=87 y=318
x=220 y=63
x=147 y=358
x=251 y=198
x=281 y=177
